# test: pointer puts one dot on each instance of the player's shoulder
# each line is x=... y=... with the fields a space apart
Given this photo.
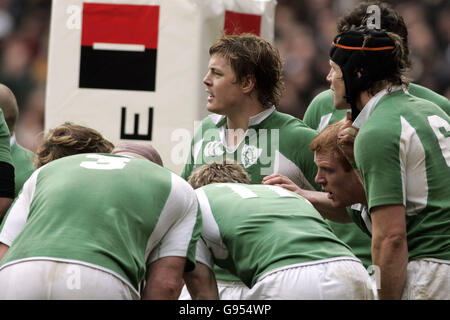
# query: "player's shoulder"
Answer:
x=211 y=122
x=324 y=98
x=406 y=104
x=293 y=131
x=286 y=122
x=428 y=94
x=20 y=150
x=182 y=187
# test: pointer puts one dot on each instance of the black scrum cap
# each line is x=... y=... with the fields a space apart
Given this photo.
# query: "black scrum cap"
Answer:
x=373 y=59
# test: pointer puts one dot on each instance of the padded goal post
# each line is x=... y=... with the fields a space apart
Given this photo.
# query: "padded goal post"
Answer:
x=133 y=69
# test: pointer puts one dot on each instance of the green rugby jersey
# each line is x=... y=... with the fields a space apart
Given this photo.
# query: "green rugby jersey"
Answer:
x=403 y=153
x=106 y=211
x=275 y=143
x=253 y=229
x=23 y=164
x=321 y=113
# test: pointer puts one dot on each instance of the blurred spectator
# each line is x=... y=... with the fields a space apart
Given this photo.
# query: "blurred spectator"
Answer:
x=24 y=26
x=304 y=30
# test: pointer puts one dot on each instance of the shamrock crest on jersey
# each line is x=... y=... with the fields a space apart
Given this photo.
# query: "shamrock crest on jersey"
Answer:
x=250 y=155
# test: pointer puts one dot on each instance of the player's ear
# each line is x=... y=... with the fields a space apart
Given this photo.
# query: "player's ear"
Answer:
x=359 y=73
x=248 y=83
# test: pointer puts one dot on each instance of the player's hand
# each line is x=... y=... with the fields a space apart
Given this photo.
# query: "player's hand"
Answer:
x=281 y=181
x=346 y=139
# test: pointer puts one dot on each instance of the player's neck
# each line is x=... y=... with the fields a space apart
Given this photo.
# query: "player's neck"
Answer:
x=365 y=96
x=237 y=123
x=239 y=119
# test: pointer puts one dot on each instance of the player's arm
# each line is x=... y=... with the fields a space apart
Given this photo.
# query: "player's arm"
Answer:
x=389 y=248
x=3 y=249
x=17 y=215
x=318 y=199
x=164 y=279
x=5 y=203
x=201 y=282
x=7 y=192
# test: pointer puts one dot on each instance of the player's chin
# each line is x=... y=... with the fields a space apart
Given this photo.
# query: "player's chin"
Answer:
x=215 y=109
x=211 y=107
x=336 y=202
x=339 y=104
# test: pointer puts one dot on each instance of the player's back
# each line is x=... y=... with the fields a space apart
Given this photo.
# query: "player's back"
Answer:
x=97 y=208
x=402 y=151
x=264 y=228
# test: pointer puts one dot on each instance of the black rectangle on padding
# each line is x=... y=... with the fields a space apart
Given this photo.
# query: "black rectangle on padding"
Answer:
x=118 y=70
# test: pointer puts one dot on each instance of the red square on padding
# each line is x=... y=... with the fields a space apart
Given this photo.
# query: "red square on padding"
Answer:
x=120 y=23
x=119 y=45
x=237 y=23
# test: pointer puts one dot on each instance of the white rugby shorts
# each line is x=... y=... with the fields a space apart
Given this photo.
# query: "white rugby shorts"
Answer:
x=331 y=279
x=55 y=280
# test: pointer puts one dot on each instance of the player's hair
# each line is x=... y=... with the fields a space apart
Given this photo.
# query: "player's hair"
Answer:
x=326 y=143
x=400 y=58
x=8 y=104
x=391 y=21
x=250 y=55
x=218 y=173
x=70 y=139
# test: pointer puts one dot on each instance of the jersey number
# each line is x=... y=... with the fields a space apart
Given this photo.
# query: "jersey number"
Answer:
x=246 y=193
x=104 y=162
x=441 y=129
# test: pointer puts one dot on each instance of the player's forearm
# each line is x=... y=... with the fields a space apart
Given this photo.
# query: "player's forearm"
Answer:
x=201 y=283
x=5 y=203
x=390 y=254
x=3 y=249
x=324 y=205
x=162 y=290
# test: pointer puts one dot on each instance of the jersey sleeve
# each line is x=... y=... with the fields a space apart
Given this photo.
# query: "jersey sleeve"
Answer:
x=378 y=157
x=179 y=225
x=210 y=231
x=17 y=215
x=361 y=218
x=203 y=254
